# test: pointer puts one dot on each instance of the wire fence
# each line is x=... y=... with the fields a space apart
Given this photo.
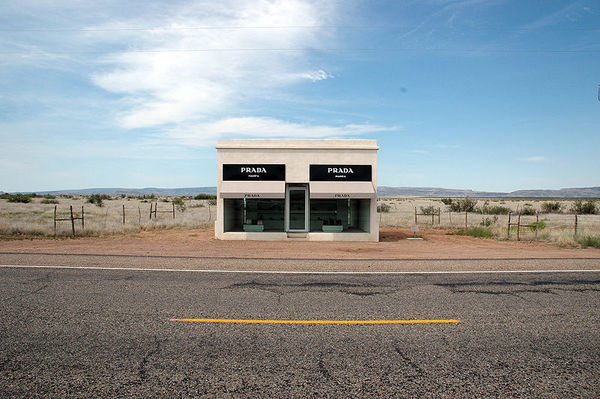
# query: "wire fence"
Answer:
x=546 y=223
x=113 y=217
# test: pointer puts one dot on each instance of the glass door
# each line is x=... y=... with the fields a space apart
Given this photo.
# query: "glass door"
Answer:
x=297 y=213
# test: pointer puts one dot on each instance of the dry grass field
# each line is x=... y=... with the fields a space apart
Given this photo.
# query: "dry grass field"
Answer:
x=35 y=219
x=552 y=227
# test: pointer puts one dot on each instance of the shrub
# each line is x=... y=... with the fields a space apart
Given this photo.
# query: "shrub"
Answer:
x=463 y=205
x=541 y=225
x=383 y=208
x=487 y=222
x=551 y=207
x=588 y=241
x=179 y=204
x=205 y=196
x=97 y=199
x=527 y=210
x=427 y=210
x=584 y=208
x=22 y=198
x=49 y=201
x=494 y=210
x=212 y=201
x=480 y=232
x=446 y=201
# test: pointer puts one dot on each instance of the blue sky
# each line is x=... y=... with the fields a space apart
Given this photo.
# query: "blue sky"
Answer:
x=487 y=95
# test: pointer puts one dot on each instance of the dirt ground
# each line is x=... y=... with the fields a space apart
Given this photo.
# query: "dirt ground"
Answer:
x=393 y=245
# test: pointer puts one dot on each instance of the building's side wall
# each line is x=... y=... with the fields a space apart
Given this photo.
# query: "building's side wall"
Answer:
x=297 y=163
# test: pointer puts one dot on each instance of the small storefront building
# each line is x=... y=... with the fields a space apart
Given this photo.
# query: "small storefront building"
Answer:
x=318 y=190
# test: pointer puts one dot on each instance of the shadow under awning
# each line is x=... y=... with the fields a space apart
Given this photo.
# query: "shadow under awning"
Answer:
x=340 y=190
x=252 y=189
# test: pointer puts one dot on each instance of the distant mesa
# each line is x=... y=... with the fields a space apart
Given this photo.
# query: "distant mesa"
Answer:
x=382 y=191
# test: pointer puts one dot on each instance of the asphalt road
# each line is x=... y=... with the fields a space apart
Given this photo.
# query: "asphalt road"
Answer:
x=107 y=333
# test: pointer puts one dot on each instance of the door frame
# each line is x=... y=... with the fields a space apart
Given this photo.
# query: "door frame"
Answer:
x=303 y=187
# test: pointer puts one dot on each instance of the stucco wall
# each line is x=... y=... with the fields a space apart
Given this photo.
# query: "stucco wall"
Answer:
x=297 y=155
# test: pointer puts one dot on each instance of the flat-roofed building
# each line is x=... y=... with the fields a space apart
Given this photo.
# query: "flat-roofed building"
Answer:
x=321 y=190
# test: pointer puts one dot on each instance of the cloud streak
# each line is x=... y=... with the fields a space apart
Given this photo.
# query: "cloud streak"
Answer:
x=174 y=90
x=536 y=158
x=204 y=134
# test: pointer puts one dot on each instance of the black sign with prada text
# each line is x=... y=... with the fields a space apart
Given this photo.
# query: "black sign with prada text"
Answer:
x=340 y=173
x=245 y=172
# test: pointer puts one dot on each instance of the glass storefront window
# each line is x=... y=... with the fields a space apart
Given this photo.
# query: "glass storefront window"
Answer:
x=254 y=215
x=340 y=215
x=258 y=215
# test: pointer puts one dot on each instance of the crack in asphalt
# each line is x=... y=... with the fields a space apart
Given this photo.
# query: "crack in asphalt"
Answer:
x=361 y=290
x=142 y=366
x=322 y=369
x=536 y=287
x=415 y=367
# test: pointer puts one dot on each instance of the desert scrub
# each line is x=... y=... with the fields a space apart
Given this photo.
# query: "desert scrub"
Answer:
x=587 y=207
x=527 y=210
x=480 y=232
x=383 y=208
x=97 y=199
x=588 y=241
x=463 y=205
x=427 y=210
x=205 y=197
x=551 y=207
x=487 y=222
x=48 y=201
x=179 y=204
x=493 y=210
x=18 y=198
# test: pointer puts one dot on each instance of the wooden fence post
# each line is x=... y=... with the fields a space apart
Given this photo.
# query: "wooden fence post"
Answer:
x=72 y=221
x=123 y=213
x=519 y=227
x=150 y=211
x=416 y=216
x=173 y=210
x=508 y=228
x=537 y=223
x=575 y=224
x=140 y=215
x=432 y=216
x=82 y=218
x=439 y=216
x=466 y=218
x=55 y=221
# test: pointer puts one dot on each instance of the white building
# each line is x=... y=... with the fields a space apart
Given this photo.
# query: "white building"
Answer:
x=320 y=190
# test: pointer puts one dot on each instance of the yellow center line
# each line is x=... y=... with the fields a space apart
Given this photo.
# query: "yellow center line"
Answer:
x=316 y=321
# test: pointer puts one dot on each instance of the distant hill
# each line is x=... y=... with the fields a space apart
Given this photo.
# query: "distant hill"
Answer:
x=382 y=191
x=432 y=192
x=135 y=192
x=586 y=192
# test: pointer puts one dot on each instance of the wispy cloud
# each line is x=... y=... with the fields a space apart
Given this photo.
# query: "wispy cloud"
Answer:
x=317 y=75
x=536 y=158
x=565 y=13
x=183 y=88
x=423 y=152
x=203 y=134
